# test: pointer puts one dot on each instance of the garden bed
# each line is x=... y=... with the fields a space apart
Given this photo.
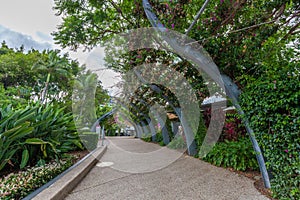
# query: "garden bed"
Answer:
x=19 y=184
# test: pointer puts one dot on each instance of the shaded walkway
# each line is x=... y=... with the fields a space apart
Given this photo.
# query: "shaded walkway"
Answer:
x=183 y=178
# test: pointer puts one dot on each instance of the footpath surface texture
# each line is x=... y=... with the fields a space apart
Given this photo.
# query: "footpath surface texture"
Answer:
x=132 y=169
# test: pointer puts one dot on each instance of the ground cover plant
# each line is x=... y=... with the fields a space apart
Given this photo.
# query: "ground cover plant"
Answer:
x=19 y=185
x=236 y=154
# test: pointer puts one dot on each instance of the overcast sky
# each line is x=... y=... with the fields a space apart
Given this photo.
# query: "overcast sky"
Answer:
x=32 y=22
x=30 y=17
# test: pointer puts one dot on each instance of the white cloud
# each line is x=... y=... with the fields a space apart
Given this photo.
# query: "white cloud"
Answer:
x=95 y=62
x=15 y=40
x=29 y=16
x=32 y=22
x=44 y=37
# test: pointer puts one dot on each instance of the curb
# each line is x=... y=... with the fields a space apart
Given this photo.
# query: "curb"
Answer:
x=68 y=181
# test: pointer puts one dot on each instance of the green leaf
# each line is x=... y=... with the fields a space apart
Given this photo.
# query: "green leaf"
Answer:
x=35 y=141
x=24 y=119
x=25 y=158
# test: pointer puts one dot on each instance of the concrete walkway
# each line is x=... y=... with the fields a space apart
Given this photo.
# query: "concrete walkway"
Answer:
x=132 y=169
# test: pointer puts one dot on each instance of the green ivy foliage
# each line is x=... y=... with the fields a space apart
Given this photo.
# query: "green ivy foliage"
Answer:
x=272 y=107
x=146 y=138
x=236 y=154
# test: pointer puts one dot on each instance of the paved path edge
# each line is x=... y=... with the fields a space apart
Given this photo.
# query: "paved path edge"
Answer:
x=63 y=186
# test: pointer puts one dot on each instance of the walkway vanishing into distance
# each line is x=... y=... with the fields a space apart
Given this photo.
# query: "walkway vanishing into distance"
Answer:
x=133 y=169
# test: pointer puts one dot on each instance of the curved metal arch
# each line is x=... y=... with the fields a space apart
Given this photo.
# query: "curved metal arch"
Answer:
x=191 y=143
x=93 y=129
x=97 y=122
x=165 y=133
x=230 y=87
x=142 y=125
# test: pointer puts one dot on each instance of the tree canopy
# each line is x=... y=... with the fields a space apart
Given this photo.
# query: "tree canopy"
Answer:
x=239 y=35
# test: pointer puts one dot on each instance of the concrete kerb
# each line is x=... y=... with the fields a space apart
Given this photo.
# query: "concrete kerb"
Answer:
x=66 y=183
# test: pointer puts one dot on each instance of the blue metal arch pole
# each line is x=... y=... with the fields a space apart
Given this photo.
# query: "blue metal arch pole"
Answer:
x=189 y=135
x=141 y=126
x=93 y=129
x=233 y=93
x=164 y=130
x=231 y=88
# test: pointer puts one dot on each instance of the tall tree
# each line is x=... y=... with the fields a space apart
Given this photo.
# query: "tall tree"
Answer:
x=87 y=95
x=53 y=64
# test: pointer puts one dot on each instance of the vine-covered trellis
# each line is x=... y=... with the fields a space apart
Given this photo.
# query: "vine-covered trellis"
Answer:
x=191 y=52
x=231 y=88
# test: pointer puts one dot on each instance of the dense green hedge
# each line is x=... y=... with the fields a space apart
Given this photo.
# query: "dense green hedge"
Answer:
x=236 y=154
x=272 y=107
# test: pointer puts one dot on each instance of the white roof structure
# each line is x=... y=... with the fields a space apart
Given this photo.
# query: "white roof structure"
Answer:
x=213 y=99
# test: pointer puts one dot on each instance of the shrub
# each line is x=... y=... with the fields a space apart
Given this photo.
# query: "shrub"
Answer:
x=236 y=154
x=272 y=107
x=90 y=140
x=233 y=128
x=159 y=138
x=177 y=143
x=19 y=185
x=35 y=132
x=146 y=137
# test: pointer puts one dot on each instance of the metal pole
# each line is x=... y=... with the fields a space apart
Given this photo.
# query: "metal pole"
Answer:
x=197 y=16
x=103 y=136
x=233 y=93
x=98 y=131
x=231 y=88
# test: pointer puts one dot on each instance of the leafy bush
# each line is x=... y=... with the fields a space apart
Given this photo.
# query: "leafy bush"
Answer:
x=272 y=107
x=90 y=140
x=33 y=133
x=177 y=143
x=236 y=154
x=233 y=128
x=159 y=138
x=14 y=128
x=146 y=137
x=16 y=96
x=19 y=185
